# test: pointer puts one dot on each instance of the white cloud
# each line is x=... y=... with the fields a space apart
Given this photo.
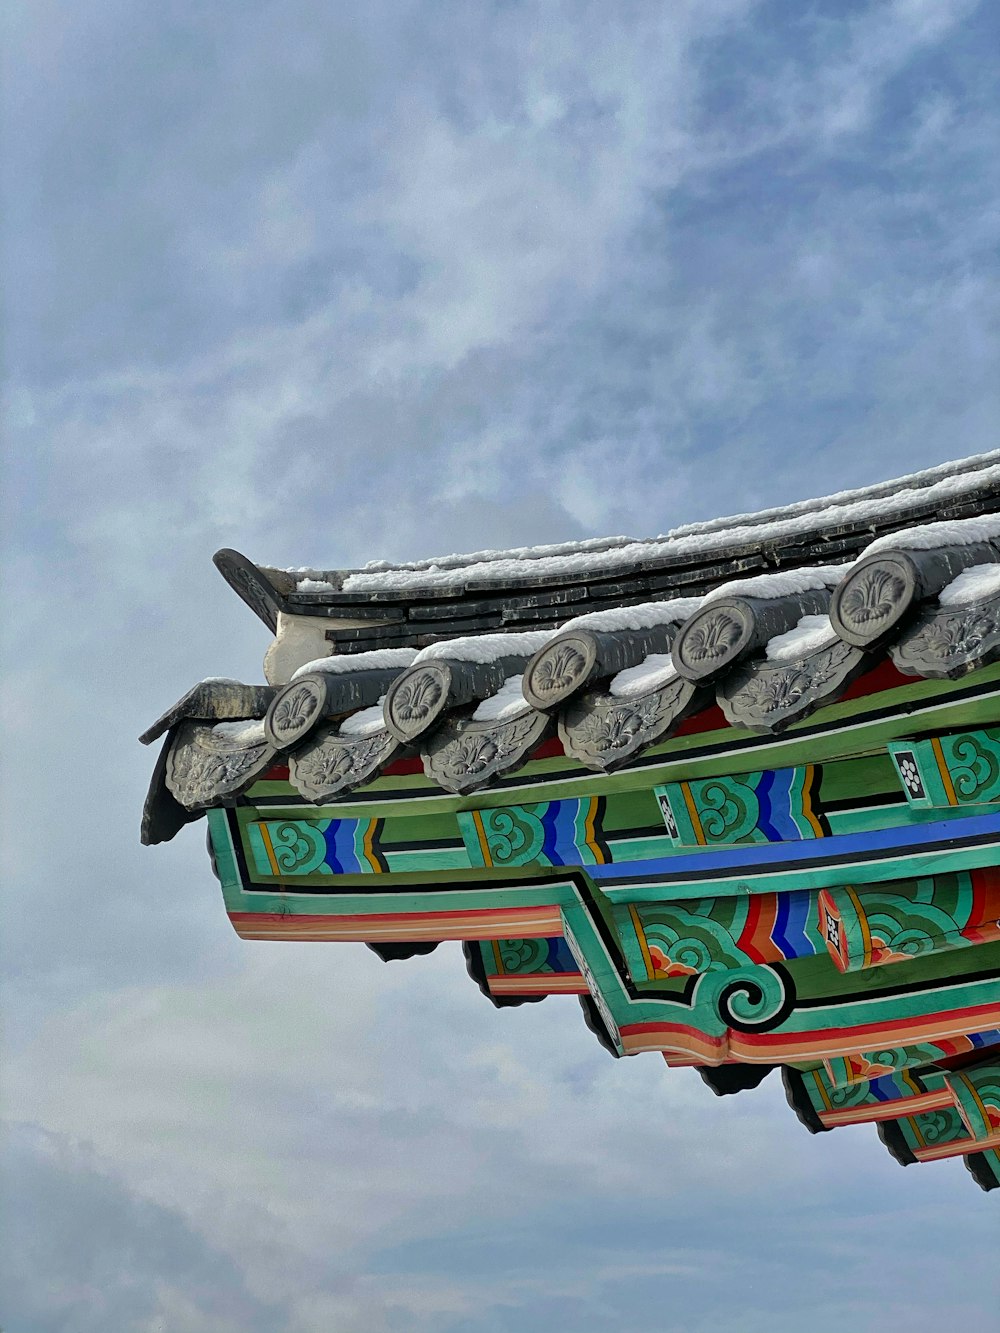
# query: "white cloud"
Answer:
x=447 y=277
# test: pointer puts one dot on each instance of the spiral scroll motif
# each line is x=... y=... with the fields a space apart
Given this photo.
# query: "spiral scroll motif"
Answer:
x=514 y=835
x=524 y=956
x=974 y=768
x=299 y=848
x=749 y=999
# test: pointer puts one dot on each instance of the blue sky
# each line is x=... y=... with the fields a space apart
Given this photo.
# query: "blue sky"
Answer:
x=329 y=283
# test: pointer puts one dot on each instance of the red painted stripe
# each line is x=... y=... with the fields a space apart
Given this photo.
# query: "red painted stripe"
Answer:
x=710 y=719
x=560 y=983
x=883 y=677
x=756 y=934
x=320 y=918
x=837 y=1037
x=985 y=913
x=402 y=768
x=919 y=1104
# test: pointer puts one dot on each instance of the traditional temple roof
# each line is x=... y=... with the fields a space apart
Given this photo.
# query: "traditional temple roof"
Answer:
x=603 y=711
x=767 y=647
x=414 y=603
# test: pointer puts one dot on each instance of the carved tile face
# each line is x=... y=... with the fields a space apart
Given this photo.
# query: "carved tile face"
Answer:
x=947 y=642
x=330 y=764
x=712 y=639
x=872 y=597
x=413 y=703
x=416 y=699
x=462 y=756
x=295 y=711
x=203 y=766
x=558 y=670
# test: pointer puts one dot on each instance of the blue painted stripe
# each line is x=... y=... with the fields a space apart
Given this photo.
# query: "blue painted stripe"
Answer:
x=765 y=807
x=884 y=1089
x=346 y=853
x=559 y=957
x=791 y=920
x=781 y=805
x=902 y=839
x=550 y=837
x=566 y=817
x=332 y=851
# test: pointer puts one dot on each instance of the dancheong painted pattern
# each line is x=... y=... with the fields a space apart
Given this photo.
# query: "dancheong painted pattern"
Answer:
x=736 y=789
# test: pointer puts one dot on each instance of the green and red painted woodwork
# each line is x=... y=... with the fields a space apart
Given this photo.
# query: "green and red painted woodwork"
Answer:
x=667 y=939
x=531 y=967
x=865 y=1065
x=866 y=927
x=976 y=1090
x=556 y=849
x=885 y=1098
x=933 y=1136
x=960 y=769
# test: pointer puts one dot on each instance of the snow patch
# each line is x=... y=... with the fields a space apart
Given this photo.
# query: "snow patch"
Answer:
x=380 y=659
x=485 y=648
x=954 y=532
x=241 y=733
x=365 y=722
x=458 y=561
x=974 y=584
x=809 y=635
x=784 y=583
x=652 y=672
x=314 y=585
x=605 y=556
x=960 y=468
x=509 y=701
x=647 y=615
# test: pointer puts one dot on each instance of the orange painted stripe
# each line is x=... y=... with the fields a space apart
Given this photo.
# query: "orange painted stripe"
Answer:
x=939 y=758
x=866 y=935
x=266 y=840
x=523 y=922
x=956 y=1148
x=369 y=846
x=699 y=832
x=541 y=983
x=641 y=937
x=484 y=847
x=590 y=832
x=894 y=1110
x=807 y=795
